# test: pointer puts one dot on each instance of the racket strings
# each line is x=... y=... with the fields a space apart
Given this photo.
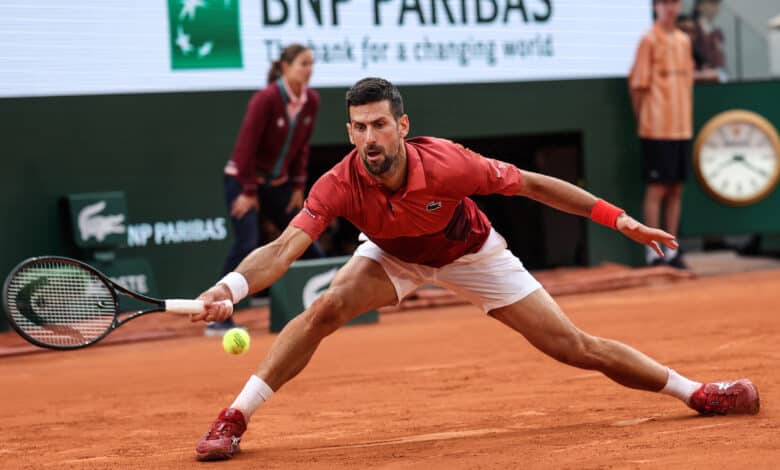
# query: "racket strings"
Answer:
x=60 y=304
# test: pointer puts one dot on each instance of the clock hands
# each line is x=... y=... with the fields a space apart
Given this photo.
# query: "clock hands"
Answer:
x=751 y=167
x=724 y=165
x=738 y=158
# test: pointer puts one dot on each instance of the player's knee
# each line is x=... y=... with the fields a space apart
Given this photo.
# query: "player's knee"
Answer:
x=326 y=314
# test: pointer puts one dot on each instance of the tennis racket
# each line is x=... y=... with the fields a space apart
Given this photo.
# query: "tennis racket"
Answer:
x=61 y=303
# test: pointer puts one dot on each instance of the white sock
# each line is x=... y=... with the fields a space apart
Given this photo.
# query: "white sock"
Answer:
x=680 y=387
x=255 y=393
x=670 y=253
x=650 y=255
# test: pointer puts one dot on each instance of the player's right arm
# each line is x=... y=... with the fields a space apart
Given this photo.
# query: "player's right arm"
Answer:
x=261 y=268
x=265 y=265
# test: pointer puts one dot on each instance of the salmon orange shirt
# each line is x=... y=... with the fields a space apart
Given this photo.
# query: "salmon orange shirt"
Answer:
x=663 y=69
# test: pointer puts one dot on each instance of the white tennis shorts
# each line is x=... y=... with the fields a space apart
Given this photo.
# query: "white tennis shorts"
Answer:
x=491 y=278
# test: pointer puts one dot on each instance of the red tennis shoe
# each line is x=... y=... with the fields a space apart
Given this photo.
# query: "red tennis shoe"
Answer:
x=721 y=398
x=221 y=440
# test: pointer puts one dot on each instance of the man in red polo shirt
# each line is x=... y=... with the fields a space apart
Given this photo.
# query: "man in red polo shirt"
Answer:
x=410 y=198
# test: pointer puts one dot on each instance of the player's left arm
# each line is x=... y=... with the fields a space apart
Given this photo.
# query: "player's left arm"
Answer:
x=490 y=176
x=569 y=198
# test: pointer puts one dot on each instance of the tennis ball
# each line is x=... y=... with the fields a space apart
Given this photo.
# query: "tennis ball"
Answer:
x=235 y=341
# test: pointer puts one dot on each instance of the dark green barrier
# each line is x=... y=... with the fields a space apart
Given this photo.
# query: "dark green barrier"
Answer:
x=301 y=285
x=703 y=215
x=167 y=151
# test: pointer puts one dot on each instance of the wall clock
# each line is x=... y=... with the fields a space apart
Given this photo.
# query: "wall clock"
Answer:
x=737 y=158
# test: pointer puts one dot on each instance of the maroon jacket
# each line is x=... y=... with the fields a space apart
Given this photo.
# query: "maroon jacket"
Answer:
x=708 y=47
x=262 y=136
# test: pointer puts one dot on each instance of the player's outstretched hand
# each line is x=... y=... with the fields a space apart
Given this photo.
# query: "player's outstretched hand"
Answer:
x=216 y=310
x=645 y=235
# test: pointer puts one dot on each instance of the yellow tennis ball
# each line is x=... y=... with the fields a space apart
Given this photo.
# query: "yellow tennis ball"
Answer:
x=235 y=341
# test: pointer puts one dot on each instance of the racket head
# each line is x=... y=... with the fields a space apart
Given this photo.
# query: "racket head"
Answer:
x=59 y=303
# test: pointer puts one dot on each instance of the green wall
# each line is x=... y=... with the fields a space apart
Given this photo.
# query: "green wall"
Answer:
x=701 y=214
x=166 y=151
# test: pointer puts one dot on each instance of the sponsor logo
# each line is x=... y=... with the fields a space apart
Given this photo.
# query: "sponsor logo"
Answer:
x=177 y=231
x=24 y=300
x=311 y=214
x=499 y=167
x=204 y=34
x=92 y=224
x=724 y=386
x=134 y=282
x=433 y=206
x=316 y=285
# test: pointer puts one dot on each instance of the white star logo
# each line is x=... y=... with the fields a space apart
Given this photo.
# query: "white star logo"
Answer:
x=183 y=41
x=188 y=8
x=205 y=49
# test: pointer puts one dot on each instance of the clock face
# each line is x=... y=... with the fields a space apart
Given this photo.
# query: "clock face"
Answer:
x=737 y=158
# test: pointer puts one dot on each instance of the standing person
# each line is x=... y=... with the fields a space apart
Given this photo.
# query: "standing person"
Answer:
x=410 y=198
x=708 y=39
x=701 y=73
x=266 y=176
x=661 y=86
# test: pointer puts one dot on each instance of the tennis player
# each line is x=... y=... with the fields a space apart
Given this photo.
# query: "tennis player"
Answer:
x=410 y=198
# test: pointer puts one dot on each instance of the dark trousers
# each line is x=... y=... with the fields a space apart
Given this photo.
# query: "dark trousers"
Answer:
x=246 y=231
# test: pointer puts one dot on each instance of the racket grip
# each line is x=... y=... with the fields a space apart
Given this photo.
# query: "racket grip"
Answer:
x=186 y=306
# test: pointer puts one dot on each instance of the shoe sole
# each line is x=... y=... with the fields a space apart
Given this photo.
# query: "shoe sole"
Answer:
x=216 y=455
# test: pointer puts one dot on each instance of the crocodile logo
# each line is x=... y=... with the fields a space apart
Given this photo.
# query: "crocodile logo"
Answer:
x=92 y=224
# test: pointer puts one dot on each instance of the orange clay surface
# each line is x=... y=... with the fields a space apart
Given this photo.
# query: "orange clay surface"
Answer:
x=444 y=388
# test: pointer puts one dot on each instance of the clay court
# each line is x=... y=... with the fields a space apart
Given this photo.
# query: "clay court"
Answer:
x=442 y=388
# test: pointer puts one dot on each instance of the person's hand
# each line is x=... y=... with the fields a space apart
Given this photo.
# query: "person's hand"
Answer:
x=296 y=201
x=645 y=235
x=215 y=309
x=707 y=75
x=243 y=204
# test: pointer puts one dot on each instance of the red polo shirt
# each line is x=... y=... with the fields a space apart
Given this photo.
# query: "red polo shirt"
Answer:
x=429 y=221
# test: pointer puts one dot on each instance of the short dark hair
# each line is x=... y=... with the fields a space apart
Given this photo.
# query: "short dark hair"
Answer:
x=372 y=90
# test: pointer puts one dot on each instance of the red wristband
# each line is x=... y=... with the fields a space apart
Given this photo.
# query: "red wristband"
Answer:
x=605 y=213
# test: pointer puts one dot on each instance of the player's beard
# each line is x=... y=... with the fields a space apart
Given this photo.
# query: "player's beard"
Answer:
x=382 y=166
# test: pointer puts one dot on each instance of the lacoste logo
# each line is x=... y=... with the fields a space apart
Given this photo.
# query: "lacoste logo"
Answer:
x=499 y=166
x=433 y=206
x=316 y=286
x=91 y=224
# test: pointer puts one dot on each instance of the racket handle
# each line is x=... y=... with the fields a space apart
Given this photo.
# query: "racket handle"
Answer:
x=187 y=307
